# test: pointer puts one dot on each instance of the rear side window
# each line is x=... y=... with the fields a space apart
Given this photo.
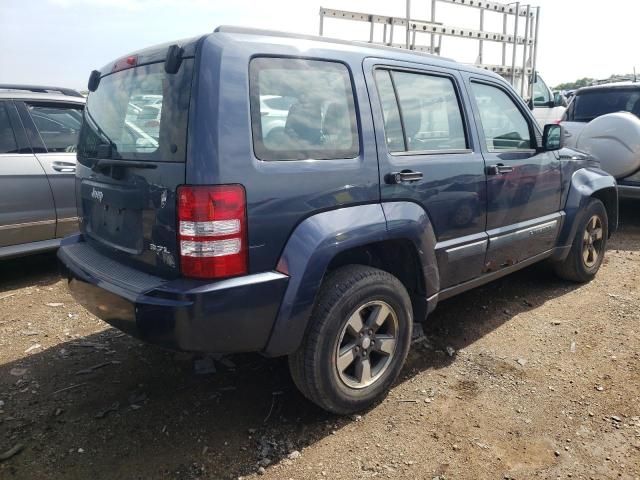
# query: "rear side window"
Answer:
x=590 y=105
x=505 y=127
x=302 y=109
x=421 y=112
x=7 y=139
x=58 y=126
x=393 y=133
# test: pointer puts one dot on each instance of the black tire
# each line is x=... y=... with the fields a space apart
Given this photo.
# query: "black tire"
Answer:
x=347 y=294
x=575 y=267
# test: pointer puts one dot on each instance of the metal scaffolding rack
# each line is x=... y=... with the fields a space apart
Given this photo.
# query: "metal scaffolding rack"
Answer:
x=523 y=44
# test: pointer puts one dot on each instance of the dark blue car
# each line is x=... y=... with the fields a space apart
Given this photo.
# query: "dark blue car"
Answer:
x=390 y=180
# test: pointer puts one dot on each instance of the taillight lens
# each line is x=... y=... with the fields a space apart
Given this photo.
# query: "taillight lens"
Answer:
x=212 y=231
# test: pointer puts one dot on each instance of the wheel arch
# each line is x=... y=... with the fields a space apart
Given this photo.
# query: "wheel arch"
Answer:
x=388 y=236
x=585 y=184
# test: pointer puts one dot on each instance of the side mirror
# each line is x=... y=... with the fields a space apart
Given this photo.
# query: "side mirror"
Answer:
x=559 y=100
x=531 y=104
x=94 y=81
x=552 y=138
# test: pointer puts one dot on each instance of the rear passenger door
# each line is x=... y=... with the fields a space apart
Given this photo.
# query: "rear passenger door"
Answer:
x=428 y=154
x=27 y=212
x=56 y=126
x=523 y=183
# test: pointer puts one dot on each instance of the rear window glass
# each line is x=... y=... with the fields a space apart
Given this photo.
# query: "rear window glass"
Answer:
x=141 y=112
x=588 y=106
x=302 y=109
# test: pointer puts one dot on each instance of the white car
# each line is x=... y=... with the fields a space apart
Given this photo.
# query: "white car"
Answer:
x=604 y=120
x=274 y=110
x=548 y=107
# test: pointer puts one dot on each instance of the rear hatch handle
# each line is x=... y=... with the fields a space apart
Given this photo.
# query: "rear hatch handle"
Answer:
x=103 y=162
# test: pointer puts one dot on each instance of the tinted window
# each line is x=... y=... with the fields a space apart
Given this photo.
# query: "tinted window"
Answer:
x=316 y=121
x=392 y=125
x=141 y=112
x=58 y=126
x=430 y=112
x=588 y=106
x=504 y=125
x=7 y=139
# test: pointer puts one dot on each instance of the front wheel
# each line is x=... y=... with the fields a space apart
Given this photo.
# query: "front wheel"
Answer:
x=358 y=338
x=589 y=244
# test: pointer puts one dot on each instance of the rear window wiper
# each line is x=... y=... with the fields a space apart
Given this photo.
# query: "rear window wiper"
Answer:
x=107 y=149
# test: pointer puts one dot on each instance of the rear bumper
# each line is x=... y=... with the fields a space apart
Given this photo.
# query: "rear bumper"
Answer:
x=227 y=316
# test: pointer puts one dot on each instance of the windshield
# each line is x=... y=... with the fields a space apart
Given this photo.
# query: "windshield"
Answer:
x=141 y=113
x=588 y=106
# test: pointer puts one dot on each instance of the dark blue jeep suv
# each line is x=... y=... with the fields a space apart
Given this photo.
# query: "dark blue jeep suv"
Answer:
x=253 y=191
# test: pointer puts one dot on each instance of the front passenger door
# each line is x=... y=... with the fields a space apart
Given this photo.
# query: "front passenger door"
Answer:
x=523 y=183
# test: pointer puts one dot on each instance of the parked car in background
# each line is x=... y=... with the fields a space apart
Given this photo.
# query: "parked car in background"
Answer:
x=399 y=180
x=39 y=129
x=604 y=121
x=548 y=106
x=274 y=110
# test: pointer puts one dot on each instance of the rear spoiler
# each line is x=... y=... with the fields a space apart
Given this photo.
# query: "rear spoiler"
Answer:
x=69 y=92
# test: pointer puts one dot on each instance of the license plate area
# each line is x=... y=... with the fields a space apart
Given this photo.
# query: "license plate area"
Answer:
x=113 y=215
x=119 y=227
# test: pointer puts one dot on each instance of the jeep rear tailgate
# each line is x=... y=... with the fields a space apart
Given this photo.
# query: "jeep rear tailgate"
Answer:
x=130 y=163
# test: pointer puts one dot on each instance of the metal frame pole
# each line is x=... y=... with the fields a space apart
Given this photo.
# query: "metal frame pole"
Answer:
x=515 y=46
x=535 y=45
x=480 y=56
x=321 y=21
x=371 y=30
x=433 y=19
x=524 y=54
x=505 y=17
x=408 y=20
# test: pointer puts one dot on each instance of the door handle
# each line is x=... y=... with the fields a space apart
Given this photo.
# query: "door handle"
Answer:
x=63 y=167
x=404 y=176
x=499 y=169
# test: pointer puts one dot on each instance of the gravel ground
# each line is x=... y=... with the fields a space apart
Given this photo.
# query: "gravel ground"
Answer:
x=528 y=377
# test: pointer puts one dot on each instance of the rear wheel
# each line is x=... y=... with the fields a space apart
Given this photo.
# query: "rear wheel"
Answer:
x=589 y=244
x=358 y=339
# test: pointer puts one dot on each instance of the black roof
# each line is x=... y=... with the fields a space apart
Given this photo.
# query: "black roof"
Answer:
x=41 y=89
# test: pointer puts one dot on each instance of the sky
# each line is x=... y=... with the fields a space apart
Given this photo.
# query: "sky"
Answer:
x=59 y=42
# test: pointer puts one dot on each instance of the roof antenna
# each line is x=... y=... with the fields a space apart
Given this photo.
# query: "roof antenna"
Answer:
x=635 y=77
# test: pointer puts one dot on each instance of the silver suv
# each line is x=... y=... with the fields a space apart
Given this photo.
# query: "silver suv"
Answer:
x=39 y=129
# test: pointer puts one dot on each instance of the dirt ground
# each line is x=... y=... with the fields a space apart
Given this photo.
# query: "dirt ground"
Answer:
x=544 y=383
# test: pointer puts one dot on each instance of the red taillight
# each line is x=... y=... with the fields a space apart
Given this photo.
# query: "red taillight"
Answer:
x=212 y=231
x=124 y=63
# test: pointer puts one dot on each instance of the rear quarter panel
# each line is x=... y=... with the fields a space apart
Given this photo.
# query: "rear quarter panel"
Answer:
x=280 y=194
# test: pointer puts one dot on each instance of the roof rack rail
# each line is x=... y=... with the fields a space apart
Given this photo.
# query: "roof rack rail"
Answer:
x=69 y=92
x=417 y=50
